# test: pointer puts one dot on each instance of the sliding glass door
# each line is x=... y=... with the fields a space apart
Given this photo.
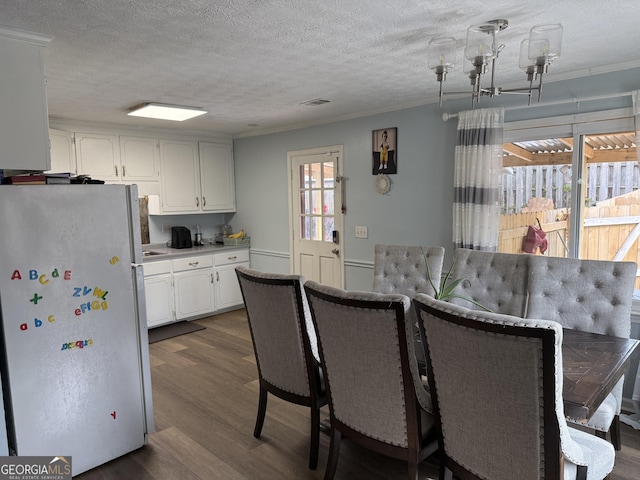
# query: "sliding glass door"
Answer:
x=578 y=186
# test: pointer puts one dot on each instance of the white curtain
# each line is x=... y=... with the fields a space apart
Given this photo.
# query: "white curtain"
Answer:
x=478 y=165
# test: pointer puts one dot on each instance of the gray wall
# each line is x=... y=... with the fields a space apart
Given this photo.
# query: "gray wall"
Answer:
x=417 y=209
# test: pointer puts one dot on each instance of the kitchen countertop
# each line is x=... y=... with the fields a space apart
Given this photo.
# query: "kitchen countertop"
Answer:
x=162 y=252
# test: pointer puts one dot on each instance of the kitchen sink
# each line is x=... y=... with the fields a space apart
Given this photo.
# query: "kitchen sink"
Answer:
x=149 y=253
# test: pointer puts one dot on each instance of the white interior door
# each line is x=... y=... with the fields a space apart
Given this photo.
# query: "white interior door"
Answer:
x=316 y=217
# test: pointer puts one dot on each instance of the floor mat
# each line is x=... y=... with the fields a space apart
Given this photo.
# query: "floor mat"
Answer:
x=172 y=330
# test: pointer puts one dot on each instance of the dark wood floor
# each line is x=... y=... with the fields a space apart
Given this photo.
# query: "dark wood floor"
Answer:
x=205 y=394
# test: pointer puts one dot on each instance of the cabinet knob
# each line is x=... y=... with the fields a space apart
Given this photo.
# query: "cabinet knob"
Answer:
x=124 y=174
x=197 y=202
x=232 y=258
x=217 y=277
x=194 y=264
x=204 y=201
x=116 y=169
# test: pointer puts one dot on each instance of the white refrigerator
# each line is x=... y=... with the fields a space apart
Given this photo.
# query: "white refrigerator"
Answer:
x=74 y=351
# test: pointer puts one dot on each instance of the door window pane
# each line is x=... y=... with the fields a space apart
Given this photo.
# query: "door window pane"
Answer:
x=317 y=201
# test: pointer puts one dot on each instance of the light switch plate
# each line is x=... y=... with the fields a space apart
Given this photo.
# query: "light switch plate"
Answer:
x=361 y=232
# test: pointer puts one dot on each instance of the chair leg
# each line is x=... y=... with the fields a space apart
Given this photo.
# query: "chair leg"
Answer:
x=315 y=437
x=413 y=467
x=616 y=440
x=445 y=473
x=262 y=410
x=334 y=451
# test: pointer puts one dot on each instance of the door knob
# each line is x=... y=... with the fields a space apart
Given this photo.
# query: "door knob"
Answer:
x=335 y=251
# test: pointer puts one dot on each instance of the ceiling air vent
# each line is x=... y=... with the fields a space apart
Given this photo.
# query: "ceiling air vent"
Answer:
x=315 y=102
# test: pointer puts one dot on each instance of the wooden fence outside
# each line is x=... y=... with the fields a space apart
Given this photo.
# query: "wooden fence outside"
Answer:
x=610 y=230
x=604 y=181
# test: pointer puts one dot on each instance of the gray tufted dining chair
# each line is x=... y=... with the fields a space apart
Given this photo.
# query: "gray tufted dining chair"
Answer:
x=496 y=281
x=285 y=346
x=402 y=269
x=496 y=383
x=591 y=296
x=364 y=341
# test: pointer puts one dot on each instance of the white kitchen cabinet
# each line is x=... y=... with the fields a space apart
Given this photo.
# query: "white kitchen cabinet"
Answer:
x=179 y=176
x=98 y=156
x=196 y=177
x=63 y=152
x=193 y=286
x=24 y=135
x=158 y=286
x=139 y=159
x=117 y=159
x=227 y=288
x=216 y=177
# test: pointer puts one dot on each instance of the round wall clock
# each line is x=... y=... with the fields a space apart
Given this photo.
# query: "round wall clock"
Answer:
x=382 y=184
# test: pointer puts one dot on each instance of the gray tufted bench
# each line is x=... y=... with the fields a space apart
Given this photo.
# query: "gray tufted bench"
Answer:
x=587 y=295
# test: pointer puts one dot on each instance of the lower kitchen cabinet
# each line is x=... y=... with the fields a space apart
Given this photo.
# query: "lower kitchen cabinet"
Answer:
x=158 y=289
x=193 y=286
x=227 y=288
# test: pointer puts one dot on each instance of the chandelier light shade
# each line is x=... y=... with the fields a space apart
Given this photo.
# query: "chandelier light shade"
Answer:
x=537 y=51
x=481 y=46
x=523 y=59
x=545 y=41
x=442 y=55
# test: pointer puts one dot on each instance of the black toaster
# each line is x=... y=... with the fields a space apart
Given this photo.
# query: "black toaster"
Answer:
x=180 y=237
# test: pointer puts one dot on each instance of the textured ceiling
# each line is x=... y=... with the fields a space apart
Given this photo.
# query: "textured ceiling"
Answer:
x=252 y=63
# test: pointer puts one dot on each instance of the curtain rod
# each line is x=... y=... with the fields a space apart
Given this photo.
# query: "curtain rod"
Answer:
x=447 y=116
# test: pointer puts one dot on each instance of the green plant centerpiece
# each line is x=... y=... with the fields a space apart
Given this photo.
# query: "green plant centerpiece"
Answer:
x=446 y=287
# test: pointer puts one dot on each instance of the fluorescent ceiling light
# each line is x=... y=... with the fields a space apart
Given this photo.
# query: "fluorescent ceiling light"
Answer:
x=166 y=112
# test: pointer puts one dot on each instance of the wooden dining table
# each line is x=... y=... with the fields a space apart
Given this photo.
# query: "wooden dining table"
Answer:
x=592 y=364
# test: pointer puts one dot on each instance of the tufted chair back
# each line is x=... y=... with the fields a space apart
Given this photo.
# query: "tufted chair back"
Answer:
x=364 y=340
x=588 y=295
x=496 y=383
x=402 y=269
x=497 y=281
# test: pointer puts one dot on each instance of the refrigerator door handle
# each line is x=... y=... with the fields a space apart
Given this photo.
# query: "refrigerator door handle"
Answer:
x=138 y=275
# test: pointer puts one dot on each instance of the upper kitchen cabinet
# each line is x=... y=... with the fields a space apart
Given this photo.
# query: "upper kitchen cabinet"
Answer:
x=24 y=135
x=63 y=152
x=140 y=159
x=196 y=177
x=98 y=156
x=116 y=159
x=216 y=177
x=179 y=176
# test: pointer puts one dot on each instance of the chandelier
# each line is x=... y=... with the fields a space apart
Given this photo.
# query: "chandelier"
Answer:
x=536 y=53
